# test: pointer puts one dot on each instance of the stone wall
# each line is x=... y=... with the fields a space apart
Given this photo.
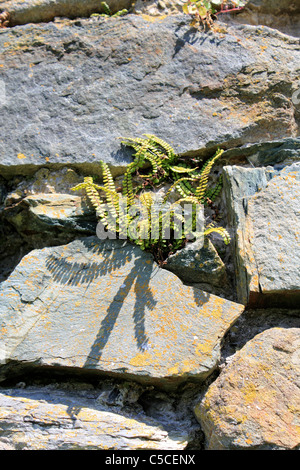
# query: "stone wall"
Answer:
x=101 y=347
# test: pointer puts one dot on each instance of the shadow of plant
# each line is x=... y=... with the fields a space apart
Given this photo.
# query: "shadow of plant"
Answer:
x=74 y=273
x=132 y=271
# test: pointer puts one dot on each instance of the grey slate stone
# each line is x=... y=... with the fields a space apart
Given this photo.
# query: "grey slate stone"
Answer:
x=254 y=403
x=263 y=208
x=49 y=418
x=37 y=11
x=198 y=264
x=106 y=307
x=72 y=90
x=278 y=153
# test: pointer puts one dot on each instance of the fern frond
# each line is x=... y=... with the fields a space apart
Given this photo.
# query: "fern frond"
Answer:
x=204 y=174
x=154 y=162
x=164 y=145
x=144 y=231
x=155 y=150
x=110 y=189
x=190 y=199
x=107 y=176
x=120 y=12
x=91 y=190
x=79 y=187
x=139 y=158
x=182 y=169
x=177 y=186
x=221 y=231
x=128 y=188
x=106 y=8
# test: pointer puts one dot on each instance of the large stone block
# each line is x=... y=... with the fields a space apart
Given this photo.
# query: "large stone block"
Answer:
x=70 y=90
x=254 y=403
x=53 y=419
x=37 y=11
x=107 y=307
x=50 y=218
x=263 y=206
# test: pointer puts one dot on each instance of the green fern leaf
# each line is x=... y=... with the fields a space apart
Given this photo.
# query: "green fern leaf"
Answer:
x=221 y=231
x=204 y=174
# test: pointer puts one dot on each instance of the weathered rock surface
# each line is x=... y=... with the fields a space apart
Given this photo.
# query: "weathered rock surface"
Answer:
x=275 y=7
x=148 y=346
x=282 y=15
x=107 y=307
x=72 y=90
x=264 y=216
x=47 y=418
x=55 y=217
x=41 y=211
x=278 y=153
x=159 y=8
x=254 y=403
x=38 y=11
x=198 y=264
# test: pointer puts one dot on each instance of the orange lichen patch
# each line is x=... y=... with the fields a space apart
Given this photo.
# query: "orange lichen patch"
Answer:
x=153 y=19
x=205 y=349
x=174 y=370
x=249 y=392
x=21 y=156
x=141 y=359
x=254 y=284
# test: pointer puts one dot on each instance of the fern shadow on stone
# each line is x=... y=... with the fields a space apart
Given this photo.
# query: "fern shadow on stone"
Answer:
x=75 y=273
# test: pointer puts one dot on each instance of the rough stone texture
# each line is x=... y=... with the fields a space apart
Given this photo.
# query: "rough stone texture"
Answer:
x=158 y=8
x=282 y=15
x=46 y=205
x=47 y=182
x=46 y=418
x=107 y=307
x=53 y=217
x=278 y=153
x=275 y=7
x=198 y=264
x=72 y=89
x=37 y=11
x=263 y=206
x=254 y=403
x=254 y=322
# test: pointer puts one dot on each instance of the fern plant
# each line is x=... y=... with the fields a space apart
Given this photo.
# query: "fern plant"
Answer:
x=166 y=166
x=115 y=212
x=203 y=10
x=163 y=160
x=107 y=11
x=106 y=206
x=132 y=215
x=206 y=8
